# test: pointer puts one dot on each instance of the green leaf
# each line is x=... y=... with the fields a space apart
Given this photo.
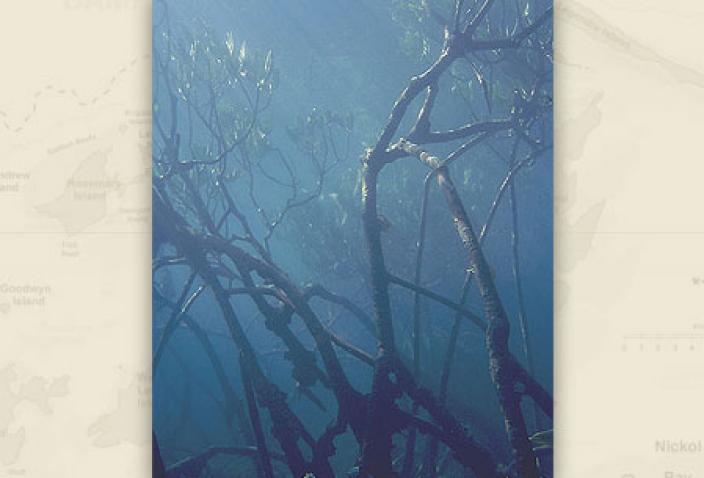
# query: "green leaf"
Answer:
x=243 y=52
x=267 y=62
x=230 y=43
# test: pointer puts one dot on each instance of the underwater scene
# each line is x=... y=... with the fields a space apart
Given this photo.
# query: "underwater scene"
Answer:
x=352 y=238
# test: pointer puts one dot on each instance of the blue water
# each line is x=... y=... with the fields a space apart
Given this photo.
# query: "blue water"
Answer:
x=342 y=65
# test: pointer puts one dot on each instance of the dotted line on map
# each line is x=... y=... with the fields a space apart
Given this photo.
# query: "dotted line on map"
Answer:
x=49 y=89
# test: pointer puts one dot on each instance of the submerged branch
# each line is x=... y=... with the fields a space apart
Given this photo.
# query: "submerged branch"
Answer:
x=468 y=314
x=193 y=465
x=497 y=333
x=502 y=365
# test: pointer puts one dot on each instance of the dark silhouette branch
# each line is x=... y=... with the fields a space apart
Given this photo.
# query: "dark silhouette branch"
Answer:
x=502 y=366
x=194 y=465
x=200 y=203
x=233 y=404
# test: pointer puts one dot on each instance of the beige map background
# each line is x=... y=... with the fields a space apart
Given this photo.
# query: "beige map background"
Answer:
x=74 y=201
x=629 y=271
x=75 y=278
